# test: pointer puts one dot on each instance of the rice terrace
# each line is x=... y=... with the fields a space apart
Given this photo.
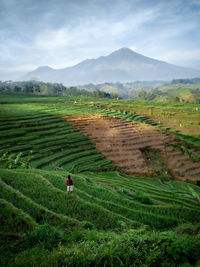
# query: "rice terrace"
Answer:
x=136 y=198
x=99 y=133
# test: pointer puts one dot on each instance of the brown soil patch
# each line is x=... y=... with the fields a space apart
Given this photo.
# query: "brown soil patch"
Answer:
x=122 y=142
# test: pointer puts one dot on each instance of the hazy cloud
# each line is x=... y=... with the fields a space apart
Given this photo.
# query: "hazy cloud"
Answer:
x=62 y=33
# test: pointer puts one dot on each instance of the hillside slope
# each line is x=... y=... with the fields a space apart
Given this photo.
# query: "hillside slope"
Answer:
x=38 y=217
x=122 y=65
x=110 y=219
x=178 y=93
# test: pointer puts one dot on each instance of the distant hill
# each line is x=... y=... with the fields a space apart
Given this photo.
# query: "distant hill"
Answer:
x=124 y=90
x=123 y=65
x=186 y=81
x=175 y=92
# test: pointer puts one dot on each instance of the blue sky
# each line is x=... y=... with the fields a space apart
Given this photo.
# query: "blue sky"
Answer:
x=61 y=33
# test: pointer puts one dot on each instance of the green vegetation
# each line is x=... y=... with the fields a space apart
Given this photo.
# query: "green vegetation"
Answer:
x=111 y=219
x=50 y=89
x=42 y=140
x=186 y=81
x=180 y=119
x=124 y=90
x=185 y=150
x=35 y=205
x=178 y=93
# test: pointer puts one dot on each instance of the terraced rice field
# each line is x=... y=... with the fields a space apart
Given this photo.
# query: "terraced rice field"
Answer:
x=35 y=207
x=98 y=196
x=111 y=218
x=124 y=142
x=182 y=117
x=54 y=142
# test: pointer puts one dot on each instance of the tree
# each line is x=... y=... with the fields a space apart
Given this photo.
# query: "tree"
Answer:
x=17 y=89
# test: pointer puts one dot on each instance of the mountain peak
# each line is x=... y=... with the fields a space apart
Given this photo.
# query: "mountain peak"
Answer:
x=122 y=65
x=44 y=68
x=127 y=54
x=123 y=50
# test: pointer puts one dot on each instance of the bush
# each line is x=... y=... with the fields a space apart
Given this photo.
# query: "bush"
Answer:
x=132 y=248
x=188 y=229
x=183 y=248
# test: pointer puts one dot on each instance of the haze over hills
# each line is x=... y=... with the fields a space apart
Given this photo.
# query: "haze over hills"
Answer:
x=123 y=65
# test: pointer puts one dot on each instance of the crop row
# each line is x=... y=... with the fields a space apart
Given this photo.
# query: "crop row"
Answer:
x=116 y=200
x=145 y=119
x=53 y=142
x=175 y=193
x=42 y=194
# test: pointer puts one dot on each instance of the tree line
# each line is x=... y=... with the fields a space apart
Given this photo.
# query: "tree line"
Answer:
x=50 y=89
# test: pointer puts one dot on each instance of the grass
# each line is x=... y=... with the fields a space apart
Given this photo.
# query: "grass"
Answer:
x=39 y=197
x=111 y=219
x=49 y=137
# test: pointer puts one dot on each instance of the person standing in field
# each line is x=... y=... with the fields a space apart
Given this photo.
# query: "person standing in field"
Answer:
x=69 y=183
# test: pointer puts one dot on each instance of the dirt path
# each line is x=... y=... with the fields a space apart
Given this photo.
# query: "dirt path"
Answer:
x=123 y=143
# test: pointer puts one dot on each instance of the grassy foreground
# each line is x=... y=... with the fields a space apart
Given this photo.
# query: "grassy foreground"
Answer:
x=111 y=219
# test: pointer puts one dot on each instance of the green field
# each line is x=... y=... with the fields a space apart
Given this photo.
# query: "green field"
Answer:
x=111 y=219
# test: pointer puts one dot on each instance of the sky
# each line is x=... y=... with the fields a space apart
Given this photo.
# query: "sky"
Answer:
x=61 y=33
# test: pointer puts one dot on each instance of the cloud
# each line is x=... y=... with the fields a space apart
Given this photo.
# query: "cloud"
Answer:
x=62 y=33
x=190 y=57
x=52 y=39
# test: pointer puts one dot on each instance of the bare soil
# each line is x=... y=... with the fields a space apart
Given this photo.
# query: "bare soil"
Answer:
x=123 y=142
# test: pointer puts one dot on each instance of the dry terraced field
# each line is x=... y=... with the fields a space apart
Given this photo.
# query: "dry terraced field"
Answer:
x=124 y=143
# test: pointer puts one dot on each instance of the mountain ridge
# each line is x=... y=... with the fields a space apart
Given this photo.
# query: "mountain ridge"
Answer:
x=122 y=65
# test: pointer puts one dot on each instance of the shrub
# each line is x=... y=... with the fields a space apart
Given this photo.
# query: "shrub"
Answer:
x=188 y=228
x=184 y=248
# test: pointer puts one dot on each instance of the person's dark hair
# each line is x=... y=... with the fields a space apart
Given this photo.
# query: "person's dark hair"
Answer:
x=69 y=176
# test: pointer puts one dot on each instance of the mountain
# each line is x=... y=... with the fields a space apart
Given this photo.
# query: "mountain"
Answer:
x=123 y=65
x=42 y=73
